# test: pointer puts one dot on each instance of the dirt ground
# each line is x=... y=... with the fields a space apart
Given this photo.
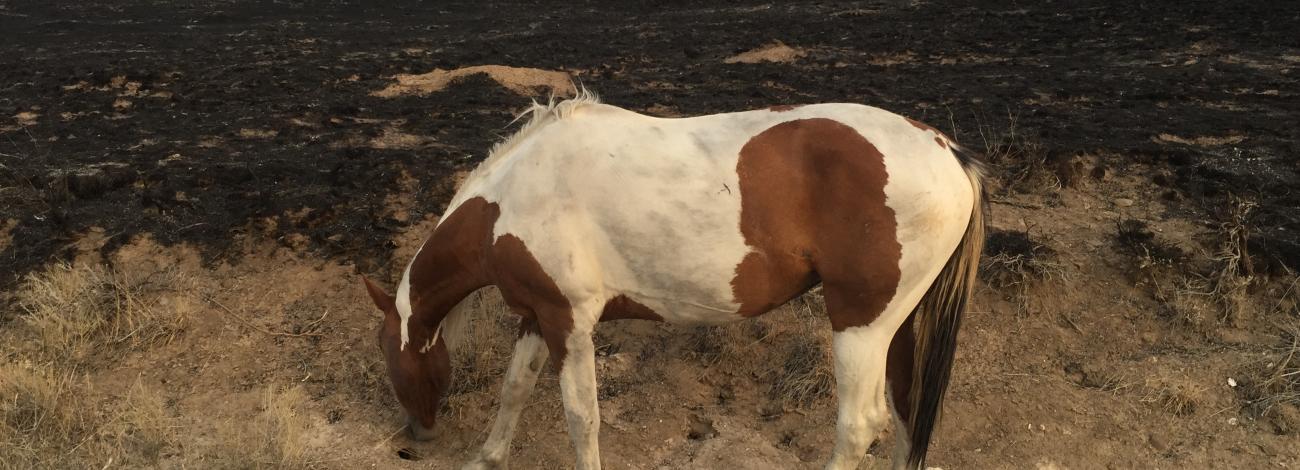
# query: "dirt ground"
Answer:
x=190 y=192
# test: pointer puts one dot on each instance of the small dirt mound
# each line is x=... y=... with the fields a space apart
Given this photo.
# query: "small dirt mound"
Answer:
x=522 y=80
x=774 y=52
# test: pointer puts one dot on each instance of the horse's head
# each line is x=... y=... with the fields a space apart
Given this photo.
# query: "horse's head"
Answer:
x=420 y=374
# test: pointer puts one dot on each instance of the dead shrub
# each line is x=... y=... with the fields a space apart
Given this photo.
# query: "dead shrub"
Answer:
x=82 y=314
x=1022 y=163
x=1235 y=271
x=1013 y=259
x=1136 y=238
x=806 y=374
x=1218 y=292
x=788 y=348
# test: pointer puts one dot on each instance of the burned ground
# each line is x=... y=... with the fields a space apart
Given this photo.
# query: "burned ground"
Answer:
x=198 y=122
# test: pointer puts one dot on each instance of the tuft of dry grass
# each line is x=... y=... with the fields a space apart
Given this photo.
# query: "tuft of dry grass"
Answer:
x=142 y=428
x=1279 y=381
x=1171 y=391
x=1274 y=386
x=805 y=374
x=282 y=426
x=35 y=419
x=483 y=354
x=1177 y=395
x=48 y=420
x=80 y=314
x=274 y=438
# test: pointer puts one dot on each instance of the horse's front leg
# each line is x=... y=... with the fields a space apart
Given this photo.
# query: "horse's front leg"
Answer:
x=530 y=354
x=577 y=364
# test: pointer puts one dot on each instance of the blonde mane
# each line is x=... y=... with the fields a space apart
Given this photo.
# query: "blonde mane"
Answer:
x=541 y=114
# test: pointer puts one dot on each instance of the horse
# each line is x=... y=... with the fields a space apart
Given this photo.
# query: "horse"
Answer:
x=591 y=213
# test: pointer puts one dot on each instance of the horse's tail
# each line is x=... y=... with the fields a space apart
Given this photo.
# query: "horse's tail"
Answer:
x=938 y=316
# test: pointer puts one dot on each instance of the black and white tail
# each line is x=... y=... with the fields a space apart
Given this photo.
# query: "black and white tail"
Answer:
x=938 y=317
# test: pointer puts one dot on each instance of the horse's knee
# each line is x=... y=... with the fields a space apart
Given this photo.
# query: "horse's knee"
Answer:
x=855 y=435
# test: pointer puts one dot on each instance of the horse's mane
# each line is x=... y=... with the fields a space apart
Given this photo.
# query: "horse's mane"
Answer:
x=540 y=114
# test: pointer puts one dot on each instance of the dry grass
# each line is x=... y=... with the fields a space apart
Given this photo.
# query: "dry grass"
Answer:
x=274 y=438
x=282 y=426
x=1136 y=238
x=78 y=315
x=71 y=321
x=1279 y=381
x=36 y=417
x=1169 y=390
x=789 y=348
x=1180 y=396
x=50 y=421
x=806 y=374
x=482 y=356
x=1274 y=387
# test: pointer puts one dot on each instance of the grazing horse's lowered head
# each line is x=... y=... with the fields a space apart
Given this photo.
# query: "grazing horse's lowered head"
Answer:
x=593 y=213
x=420 y=378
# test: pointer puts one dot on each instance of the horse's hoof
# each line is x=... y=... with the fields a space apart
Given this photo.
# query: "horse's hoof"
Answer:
x=480 y=464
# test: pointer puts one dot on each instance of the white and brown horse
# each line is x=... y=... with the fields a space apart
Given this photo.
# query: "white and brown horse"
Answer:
x=593 y=213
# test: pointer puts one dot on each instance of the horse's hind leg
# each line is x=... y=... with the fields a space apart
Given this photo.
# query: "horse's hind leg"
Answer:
x=860 y=354
x=530 y=354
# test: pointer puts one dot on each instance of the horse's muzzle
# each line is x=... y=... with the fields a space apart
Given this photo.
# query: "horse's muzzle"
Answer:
x=418 y=431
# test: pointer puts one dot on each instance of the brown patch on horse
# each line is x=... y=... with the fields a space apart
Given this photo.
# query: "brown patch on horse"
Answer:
x=781 y=108
x=620 y=307
x=530 y=291
x=449 y=266
x=940 y=138
x=813 y=208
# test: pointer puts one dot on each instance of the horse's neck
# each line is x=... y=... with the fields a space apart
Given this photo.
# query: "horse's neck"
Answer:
x=450 y=265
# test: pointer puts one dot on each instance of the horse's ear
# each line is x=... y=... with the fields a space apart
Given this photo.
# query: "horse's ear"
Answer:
x=377 y=294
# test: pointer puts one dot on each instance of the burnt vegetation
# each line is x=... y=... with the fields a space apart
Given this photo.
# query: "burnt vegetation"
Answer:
x=1013 y=259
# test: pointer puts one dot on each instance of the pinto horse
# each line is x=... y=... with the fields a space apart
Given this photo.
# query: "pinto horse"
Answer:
x=592 y=212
